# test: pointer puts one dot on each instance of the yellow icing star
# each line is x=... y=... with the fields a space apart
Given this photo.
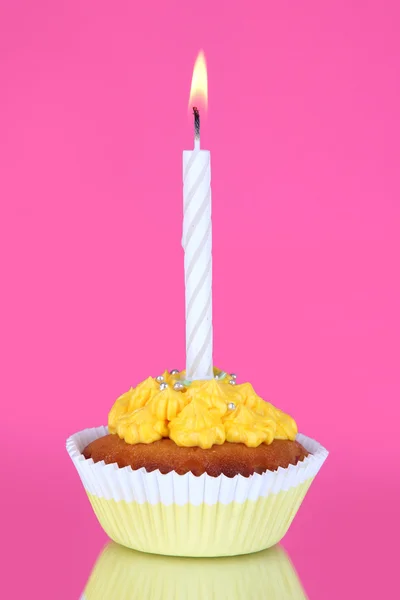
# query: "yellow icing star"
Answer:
x=166 y=404
x=120 y=408
x=249 y=396
x=132 y=400
x=142 y=427
x=242 y=425
x=214 y=393
x=197 y=425
x=286 y=427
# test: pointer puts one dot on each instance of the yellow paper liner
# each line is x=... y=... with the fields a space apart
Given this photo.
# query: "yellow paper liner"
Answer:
x=185 y=515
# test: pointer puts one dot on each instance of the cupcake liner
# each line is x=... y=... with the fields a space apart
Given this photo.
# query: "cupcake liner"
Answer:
x=112 y=482
x=186 y=515
x=120 y=573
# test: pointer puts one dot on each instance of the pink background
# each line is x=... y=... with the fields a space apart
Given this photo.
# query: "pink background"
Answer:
x=304 y=133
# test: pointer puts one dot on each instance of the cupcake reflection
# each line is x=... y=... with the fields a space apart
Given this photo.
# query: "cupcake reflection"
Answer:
x=120 y=573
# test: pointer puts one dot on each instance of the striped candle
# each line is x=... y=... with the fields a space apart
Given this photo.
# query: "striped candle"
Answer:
x=196 y=242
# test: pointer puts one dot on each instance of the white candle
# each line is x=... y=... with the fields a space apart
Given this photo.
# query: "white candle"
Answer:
x=197 y=245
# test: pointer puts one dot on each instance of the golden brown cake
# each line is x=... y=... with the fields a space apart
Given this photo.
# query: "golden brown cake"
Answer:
x=228 y=459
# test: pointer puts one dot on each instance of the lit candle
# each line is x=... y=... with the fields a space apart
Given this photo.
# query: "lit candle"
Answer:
x=196 y=242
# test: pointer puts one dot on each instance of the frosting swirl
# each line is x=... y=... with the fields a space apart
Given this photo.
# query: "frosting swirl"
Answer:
x=202 y=413
x=245 y=426
x=197 y=425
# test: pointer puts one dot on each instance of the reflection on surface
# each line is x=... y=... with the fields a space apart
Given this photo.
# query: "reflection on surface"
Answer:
x=121 y=573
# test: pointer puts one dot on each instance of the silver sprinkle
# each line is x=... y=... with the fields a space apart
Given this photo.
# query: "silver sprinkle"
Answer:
x=231 y=406
x=163 y=386
x=160 y=378
x=174 y=372
x=221 y=375
x=233 y=376
x=232 y=382
x=178 y=386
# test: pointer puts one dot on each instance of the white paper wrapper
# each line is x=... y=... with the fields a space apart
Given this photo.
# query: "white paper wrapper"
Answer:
x=111 y=482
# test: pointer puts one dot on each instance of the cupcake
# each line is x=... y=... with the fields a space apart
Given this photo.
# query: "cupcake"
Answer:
x=201 y=469
x=120 y=573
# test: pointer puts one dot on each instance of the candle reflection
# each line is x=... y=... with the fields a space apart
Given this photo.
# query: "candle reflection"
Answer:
x=122 y=573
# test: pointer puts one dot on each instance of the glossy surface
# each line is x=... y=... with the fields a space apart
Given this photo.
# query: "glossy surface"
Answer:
x=343 y=542
x=303 y=130
x=341 y=548
x=120 y=573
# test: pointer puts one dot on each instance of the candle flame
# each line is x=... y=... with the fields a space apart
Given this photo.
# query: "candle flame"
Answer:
x=199 y=87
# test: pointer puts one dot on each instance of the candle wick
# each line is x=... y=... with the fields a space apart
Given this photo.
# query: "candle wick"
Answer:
x=196 y=127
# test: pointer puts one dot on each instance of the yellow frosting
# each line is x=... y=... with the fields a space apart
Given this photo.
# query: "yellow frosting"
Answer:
x=202 y=414
x=215 y=394
x=141 y=426
x=245 y=426
x=197 y=425
x=166 y=405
